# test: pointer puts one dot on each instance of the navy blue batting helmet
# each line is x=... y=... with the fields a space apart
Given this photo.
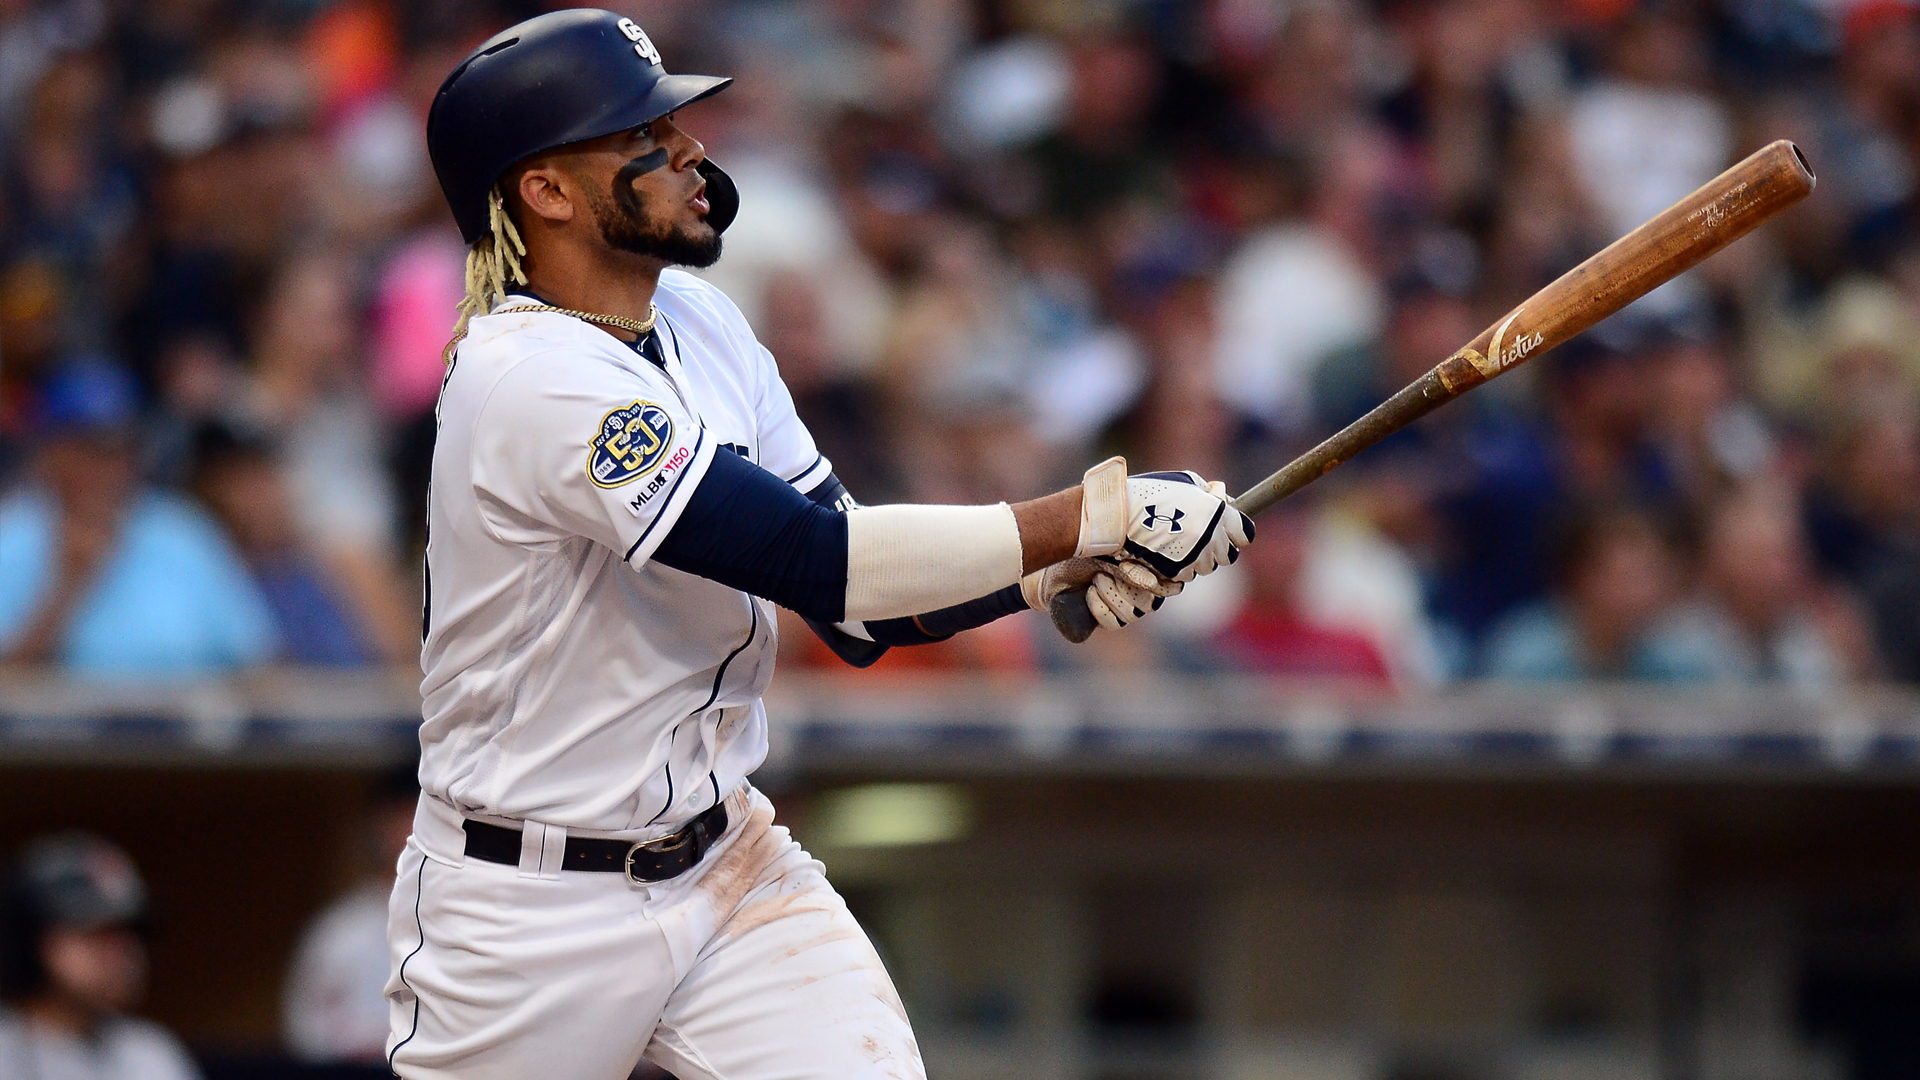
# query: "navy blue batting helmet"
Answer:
x=71 y=881
x=559 y=78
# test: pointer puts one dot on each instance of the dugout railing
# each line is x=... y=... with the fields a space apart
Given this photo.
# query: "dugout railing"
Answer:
x=1103 y=721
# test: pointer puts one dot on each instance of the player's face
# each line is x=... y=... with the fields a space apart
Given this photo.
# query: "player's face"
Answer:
x=103 y=970
x=654 y=201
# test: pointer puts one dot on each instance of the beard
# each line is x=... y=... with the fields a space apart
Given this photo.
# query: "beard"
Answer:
x=625 y=226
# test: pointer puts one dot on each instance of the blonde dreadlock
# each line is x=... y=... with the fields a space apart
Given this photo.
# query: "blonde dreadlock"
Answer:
x=491 y=262
x=494 y=259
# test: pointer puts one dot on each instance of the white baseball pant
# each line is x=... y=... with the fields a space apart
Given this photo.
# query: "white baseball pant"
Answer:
x=746 y=967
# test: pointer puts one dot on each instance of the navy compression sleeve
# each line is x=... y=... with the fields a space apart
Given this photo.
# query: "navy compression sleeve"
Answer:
x=940 y=625
x=857 y=652
x=746 y=528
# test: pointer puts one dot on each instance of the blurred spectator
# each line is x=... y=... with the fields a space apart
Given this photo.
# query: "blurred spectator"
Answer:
x=307 y=388
x=1289 y=295
x=1863 y=519
x=955 y=375
x=1647 y=133
x=75 y=960
x=794 y=226
x=1616 y=575
x=1879 y=100
x=1357 y=578
x=237 y=474
x=840 y=408
x=1858 y=349
x=197 y=379
x=1603 y=398
x=1863 y=508
x=1178 y=421
x=1521 y=473
x=1761 y=614
x=421 y=280
x=1272 y=634
x=309 y=392
x=1543 y=219
x=1475 y=65
x=1706 y=435
x=1085 y=370
x=32 y=37
x=1426 y=325
x=1099 y=157
x=335 y=1007
x=107 y=576
x=73 y=192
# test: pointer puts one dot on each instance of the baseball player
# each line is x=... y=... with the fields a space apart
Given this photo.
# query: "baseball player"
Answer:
x=621 y=493
x=73 y=960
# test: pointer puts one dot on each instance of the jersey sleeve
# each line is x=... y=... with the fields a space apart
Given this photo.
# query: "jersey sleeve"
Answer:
x=579 y=446
x=786 y=446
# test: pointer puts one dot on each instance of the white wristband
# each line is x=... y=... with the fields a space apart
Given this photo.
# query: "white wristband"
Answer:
x=1103 y=509
x=909 y=559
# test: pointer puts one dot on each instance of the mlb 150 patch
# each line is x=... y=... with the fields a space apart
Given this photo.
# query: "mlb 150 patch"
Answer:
x=630 y=444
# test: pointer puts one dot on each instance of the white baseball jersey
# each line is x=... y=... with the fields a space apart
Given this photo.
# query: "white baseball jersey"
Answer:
x=569 y=680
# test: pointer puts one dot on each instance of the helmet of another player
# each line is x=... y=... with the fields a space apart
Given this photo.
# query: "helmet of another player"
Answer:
x=71 y=885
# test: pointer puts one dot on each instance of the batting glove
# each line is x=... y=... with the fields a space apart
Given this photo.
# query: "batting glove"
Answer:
x=1175 y=523
x=1118 y=593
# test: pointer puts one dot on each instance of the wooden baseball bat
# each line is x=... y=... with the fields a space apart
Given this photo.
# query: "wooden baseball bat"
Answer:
x=1723 y=210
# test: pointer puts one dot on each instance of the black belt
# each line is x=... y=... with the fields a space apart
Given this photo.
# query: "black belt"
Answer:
x=655 y=860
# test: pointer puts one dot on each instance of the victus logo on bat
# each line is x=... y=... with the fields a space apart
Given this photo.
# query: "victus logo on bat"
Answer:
x=1503 y=354
x=1518 y=351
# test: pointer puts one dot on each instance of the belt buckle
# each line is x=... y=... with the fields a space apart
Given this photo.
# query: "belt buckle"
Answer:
x=666 y=845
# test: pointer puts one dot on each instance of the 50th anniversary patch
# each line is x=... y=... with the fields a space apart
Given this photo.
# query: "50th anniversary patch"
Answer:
x=630 y=444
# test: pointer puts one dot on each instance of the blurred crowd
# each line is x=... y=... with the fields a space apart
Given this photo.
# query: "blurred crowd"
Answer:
x=989 y=243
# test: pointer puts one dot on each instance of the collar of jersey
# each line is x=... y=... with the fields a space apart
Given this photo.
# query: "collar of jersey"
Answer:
x=508 y=302
x=516 y=296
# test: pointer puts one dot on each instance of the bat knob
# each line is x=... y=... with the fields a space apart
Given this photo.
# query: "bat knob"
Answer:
x=1071 y=616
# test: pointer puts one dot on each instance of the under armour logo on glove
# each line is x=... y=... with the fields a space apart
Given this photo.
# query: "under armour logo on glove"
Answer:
x=1154 y=516
x=1188 y=529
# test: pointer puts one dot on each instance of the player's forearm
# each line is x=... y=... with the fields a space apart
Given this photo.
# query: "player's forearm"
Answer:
x=1049 y=528
x=861 y=643
x=934 y=559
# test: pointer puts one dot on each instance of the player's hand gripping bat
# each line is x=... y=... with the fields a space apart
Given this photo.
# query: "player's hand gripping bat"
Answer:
x=1723 y=210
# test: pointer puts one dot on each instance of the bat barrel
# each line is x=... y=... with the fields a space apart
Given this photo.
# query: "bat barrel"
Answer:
x=1724 y=209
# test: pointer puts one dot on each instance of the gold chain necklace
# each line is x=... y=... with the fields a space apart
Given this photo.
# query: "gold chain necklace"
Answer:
x=637 y=327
